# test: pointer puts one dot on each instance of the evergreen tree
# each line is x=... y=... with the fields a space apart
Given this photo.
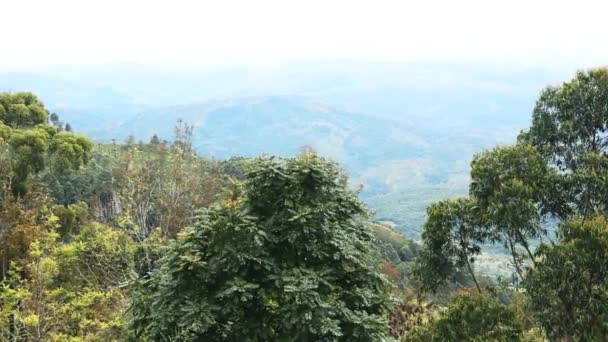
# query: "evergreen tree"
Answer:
x=23 y=123
x=568 y=290
x=470 y=317
x=290 y=260
x=451 y=241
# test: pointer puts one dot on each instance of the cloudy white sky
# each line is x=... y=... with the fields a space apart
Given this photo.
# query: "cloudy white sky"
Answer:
x=36 y=33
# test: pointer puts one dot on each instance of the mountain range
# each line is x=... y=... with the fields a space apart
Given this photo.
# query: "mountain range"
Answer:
x=405 y=133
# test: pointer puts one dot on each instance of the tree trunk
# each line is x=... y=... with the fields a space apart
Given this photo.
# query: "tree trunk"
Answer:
x=473 y=275
x=515 y=262
x=526 y=247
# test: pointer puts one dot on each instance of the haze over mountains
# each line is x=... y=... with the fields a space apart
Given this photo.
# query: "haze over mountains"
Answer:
x=406 y=133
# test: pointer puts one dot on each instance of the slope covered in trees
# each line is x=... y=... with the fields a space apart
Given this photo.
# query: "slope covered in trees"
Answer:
x=150 y=241
x=289 y=259
x=557 y=170
x=407 y=132
x=90 y=223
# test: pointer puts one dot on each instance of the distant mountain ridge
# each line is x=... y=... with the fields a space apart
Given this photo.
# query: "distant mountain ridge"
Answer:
x=405 y=132
x=395 y=164
x=93 y=109
x=270 y=124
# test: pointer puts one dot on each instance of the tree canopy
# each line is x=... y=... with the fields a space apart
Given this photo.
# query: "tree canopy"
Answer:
x=556 y=172
x=291 y=259
x=570 y=120
x=451 y=242
x=34 y=143
x=568 y=290
x=22 y=109
x=470 y=317
x=137 y=241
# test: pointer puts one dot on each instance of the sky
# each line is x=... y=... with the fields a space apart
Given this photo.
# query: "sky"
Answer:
x=531 y=32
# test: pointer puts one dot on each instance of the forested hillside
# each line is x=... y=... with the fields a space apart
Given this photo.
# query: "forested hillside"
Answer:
x=154 y=240
x=406 y=132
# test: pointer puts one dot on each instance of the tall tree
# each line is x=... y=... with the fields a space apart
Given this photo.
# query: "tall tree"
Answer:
x=508 y=185
x=568 y=291
x=22 y=109
x=567 y=288
x=289 y=260
x=571 y=119
x=559 y=168
x=451 y=241
x=478 y=317
x=569 y=126
x=23 y=123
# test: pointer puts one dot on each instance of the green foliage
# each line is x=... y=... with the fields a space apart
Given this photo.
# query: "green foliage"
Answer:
x=71 y=290
x=558 y=170
x=22 y=109
x=470 y=317
x=162 y=186
x=234 y=167
x=23 y=123
x=571 y=119
x=22 y=221
x=5 y=132
x=70 y=151
x=393 y=244
x=98 y=256
x=149 y=251
x=29 y=148
x=399 y=253
x=451 y=241
x=409 y=315
x=280 y=249
x=508 y=185
x=588 y=185
x=290 y=260
x=71 y=217
x=98 y=175
x=6 y=168
x=568 y=289
x=569 y=127
x=12 y=293
x=506 y=178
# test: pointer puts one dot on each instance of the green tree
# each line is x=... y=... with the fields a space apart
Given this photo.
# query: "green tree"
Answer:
x=509 y=186
x=22 y=109
x=28 y=148
x=571 y=119
x=291 y=260
x=557 y=170
x=67 y=292
x=569 y=127
x=5 y=132
x=588 y=185
x=71 y=218
x=568 y=291
x=55 y=120
x=6 y=163
x=98 y=175
x=451 y=241
x=97 y=257
x=32 y=148
x=470 y=317
x=22 y=221
x=69 y=151
x=23 y=123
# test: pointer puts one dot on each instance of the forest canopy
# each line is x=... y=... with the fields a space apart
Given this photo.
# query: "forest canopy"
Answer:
x=153 y=241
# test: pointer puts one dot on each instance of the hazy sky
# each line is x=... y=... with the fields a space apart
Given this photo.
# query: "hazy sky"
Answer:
x=36 y=33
